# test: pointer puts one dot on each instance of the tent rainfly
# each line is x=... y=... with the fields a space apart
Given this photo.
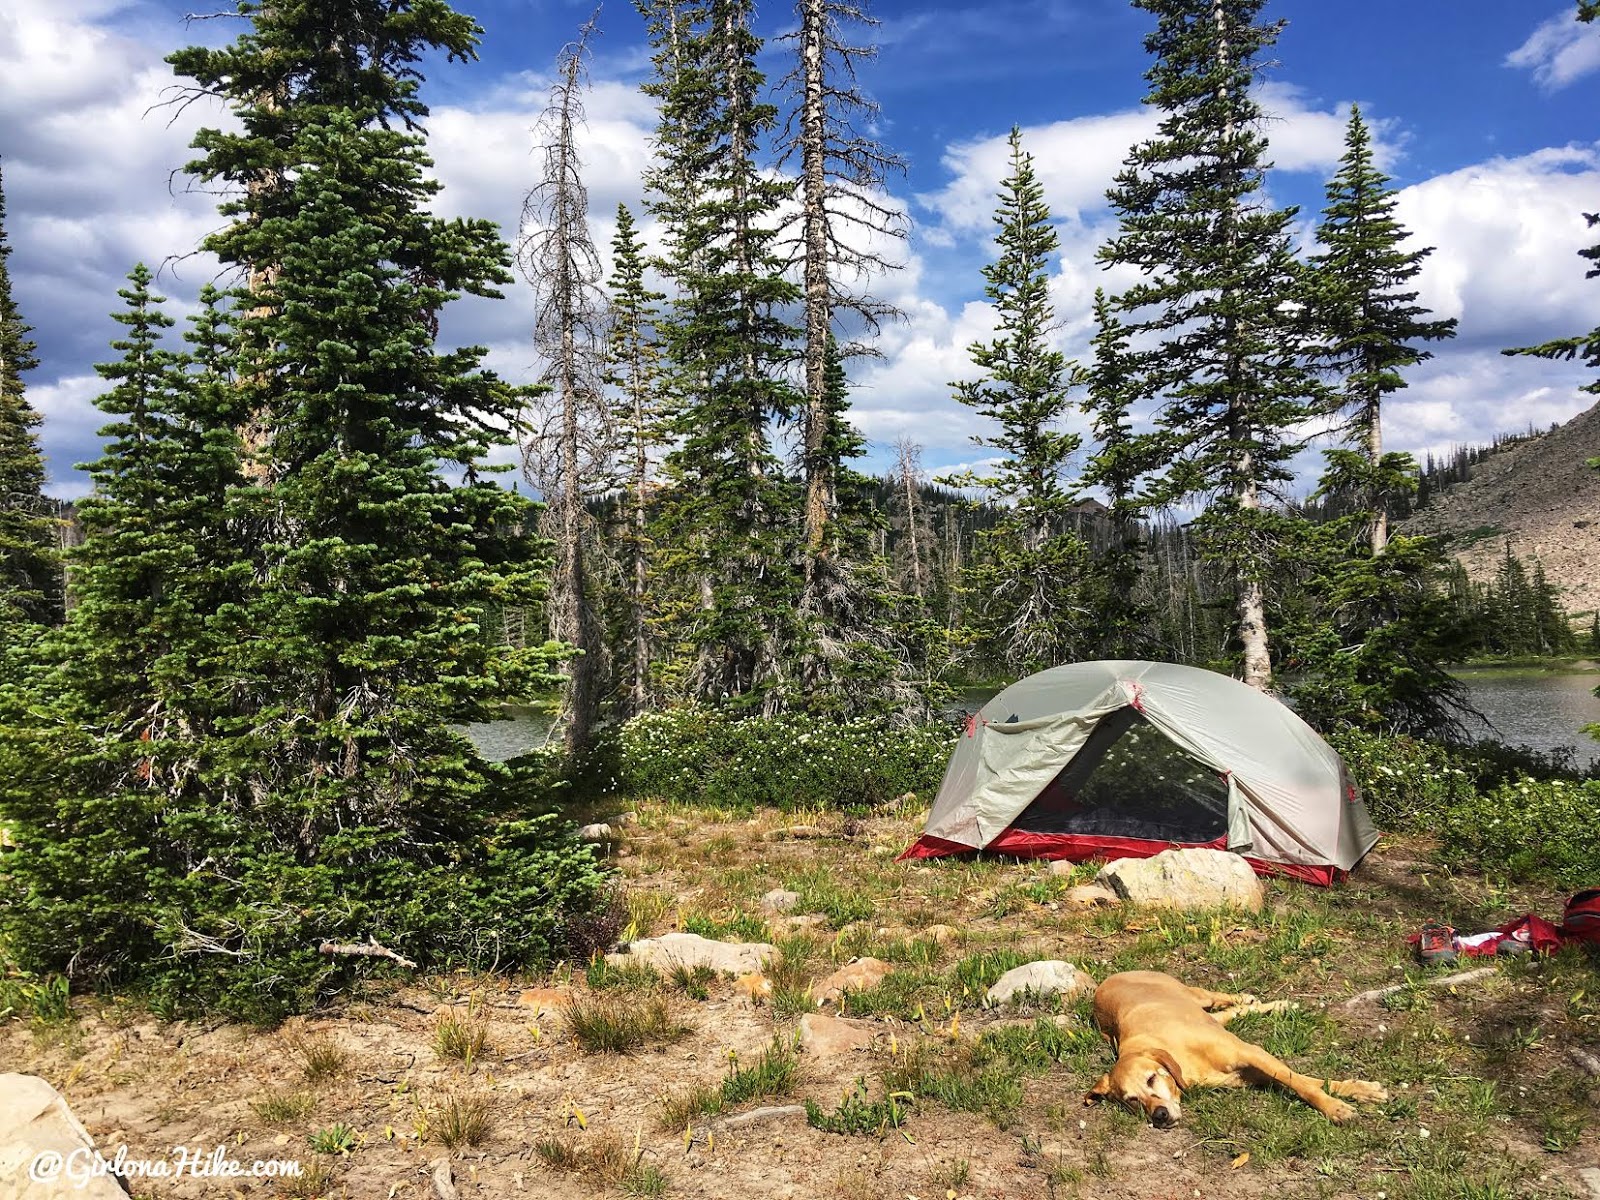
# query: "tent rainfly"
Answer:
x=1124 y=759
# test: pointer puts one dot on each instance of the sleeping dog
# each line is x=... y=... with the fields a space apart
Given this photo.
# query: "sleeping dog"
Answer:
x=1169 y=1037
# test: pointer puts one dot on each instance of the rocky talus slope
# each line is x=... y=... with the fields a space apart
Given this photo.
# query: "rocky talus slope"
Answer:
x=1542 y=495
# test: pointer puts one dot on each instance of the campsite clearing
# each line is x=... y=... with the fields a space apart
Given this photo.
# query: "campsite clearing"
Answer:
x=618 y=1081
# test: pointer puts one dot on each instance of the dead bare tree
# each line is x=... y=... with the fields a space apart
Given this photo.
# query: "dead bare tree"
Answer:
x=909 y=518
x=565 y=444
x=836 y=237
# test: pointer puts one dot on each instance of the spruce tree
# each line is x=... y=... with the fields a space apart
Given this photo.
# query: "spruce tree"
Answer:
x=725 y=523
x=111 y=781
x=1367 y=322
x=29 y=582
x=1121 y=621
x=634 y=374
x=1211 y=324
x=339 y=804
x=1030 y=576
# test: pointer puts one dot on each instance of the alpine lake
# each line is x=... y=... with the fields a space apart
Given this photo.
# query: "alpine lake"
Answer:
x=1542 y=707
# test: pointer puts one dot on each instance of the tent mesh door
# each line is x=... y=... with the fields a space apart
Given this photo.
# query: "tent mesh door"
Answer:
x=1130 y=781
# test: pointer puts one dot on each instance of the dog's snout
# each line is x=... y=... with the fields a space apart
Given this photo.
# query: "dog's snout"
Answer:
x=1161 y=1118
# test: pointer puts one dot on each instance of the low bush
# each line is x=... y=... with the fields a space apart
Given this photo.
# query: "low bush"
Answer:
x=1493 y=807
x=696 y=755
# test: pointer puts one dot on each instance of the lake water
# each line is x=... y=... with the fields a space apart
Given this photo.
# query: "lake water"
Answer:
x=1544 y=710
x=1541 y=709
x=525 y=729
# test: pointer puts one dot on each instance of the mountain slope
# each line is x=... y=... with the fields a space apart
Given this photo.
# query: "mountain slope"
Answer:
x=1543 y=497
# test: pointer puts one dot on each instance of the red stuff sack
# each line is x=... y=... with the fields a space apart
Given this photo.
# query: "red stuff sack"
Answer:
x=1582 y=919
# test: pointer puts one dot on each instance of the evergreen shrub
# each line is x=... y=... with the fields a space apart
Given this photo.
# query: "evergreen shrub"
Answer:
x=697 y=755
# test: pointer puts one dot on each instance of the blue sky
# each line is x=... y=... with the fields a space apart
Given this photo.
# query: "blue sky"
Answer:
x=1483 y=111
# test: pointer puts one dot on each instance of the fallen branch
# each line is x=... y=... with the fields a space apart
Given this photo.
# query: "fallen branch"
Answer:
x=370 y=950
x=1441 y=981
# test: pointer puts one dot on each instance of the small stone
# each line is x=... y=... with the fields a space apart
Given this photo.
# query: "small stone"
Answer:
x=1090 y=895
x=763 y=1116
x=1039 y=980
x=755 y=985
x=941 y=935
x=829 y=1037
x=858 y=976
x=543 y=1000
x=780 y=900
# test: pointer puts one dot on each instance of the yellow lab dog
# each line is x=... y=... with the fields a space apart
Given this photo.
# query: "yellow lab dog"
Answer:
x=1169 y=1037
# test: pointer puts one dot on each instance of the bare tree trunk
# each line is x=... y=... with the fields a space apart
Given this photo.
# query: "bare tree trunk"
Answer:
x=640 y=692
x=818 y=300
x=565 y=454
x=909 y=472
x=1250 y=595
x=1380 y=515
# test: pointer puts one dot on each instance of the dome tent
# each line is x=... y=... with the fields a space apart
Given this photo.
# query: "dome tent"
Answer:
x=1074 y=762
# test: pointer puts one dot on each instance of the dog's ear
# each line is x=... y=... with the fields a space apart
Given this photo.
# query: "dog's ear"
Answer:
x=1099 y=1091
x=1171 y=1064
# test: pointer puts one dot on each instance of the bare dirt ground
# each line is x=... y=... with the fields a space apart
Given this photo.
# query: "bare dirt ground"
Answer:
x=1490 y=1100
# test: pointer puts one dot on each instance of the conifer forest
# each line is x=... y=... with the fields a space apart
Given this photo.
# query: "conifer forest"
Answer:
x=321 y=538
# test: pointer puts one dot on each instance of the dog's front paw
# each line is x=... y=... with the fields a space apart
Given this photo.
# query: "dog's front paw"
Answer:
x=1364 y=1090
x=1338 y=1111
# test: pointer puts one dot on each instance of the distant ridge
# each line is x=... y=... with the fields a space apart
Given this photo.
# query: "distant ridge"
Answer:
x=1538 y=493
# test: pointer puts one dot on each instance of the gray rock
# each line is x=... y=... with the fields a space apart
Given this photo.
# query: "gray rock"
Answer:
x=780 y=900
x=691 y=950
x=37 y=1127
x=762 y=1116
x=1185 y=879
x=829 y=1037
x=598 y=832
x=1039 y=980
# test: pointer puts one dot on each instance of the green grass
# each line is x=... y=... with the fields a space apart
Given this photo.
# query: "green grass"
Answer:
x=858 y=1114
x=773 y=1073
x=460 y=1036
x=623 y=1023
x=463 y=1121
x=320 y=1057
x=283 y=1107
x=603 y=976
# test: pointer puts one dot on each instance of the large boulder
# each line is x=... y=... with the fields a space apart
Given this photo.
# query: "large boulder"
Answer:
x=863 y=974
x=1185 y=879
x=690 y=950
x=1039 y=981
x=45 y=1153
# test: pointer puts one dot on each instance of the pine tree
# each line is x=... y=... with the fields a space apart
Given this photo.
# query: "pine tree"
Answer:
x=1030 y=576
x=566 y=449
x=1212 y=319
x=335 y=802
x=725 y=515
x=1367 y=325
x=29 y=588
x=110 y=785
x=634 y=373
x=1121 y=620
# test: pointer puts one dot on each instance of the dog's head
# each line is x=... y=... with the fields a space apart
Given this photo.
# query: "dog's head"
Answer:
x=1152 y=1082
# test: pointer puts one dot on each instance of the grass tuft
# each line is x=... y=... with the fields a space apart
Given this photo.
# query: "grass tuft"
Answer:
x=623 y=1023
